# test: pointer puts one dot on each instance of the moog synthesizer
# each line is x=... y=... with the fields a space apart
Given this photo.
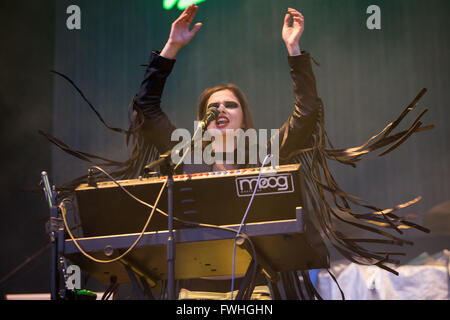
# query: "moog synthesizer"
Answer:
x=219 y=198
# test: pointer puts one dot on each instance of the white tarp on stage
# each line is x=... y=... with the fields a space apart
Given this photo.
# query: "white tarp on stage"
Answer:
x=424 y=278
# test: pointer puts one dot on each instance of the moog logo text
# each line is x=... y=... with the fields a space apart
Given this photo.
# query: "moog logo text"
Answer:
x=281 y=183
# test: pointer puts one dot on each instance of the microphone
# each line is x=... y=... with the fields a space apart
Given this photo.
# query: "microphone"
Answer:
x=210 y=115
x=47 y=189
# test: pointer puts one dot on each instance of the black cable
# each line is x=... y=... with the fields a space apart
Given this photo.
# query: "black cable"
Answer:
x=250 y=289
x=295 y=285
x=299 y=286
x=289 y=289
x=113 y=282
x=106 y=292
x=335 y=280
x=255 y=271
x=312 y=292
x=112 y=291
x=306 y=285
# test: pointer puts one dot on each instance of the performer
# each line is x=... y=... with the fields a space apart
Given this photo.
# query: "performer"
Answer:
x=300 y=131
x=229 y=99
x=302 y=139
x=231 y=103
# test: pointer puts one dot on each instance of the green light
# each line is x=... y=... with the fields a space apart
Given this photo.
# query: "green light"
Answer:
x=182 y=4
x=168 y=4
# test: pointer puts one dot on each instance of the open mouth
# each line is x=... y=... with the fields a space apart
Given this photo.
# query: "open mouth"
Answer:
x=222 y=122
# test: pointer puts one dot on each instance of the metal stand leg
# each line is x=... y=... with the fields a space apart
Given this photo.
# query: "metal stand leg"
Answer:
x=146 y=288
x=288 y=286
x=54 y=277
x=170 y=242
x=273 y=286
x=143 y=292
x=248 y=284
x=137 y=288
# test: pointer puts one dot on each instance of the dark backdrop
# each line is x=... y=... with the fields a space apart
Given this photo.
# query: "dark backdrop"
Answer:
x=26 y=58
x=366 y=78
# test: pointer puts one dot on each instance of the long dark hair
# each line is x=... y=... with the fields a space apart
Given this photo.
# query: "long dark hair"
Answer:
x=207 y=93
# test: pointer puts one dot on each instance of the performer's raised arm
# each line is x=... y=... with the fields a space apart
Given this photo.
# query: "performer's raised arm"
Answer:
x=157 y=126
x=296 y=132
x=180 y=33
x=292 y=31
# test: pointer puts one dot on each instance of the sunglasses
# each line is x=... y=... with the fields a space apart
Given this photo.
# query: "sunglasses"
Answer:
x=227 y=104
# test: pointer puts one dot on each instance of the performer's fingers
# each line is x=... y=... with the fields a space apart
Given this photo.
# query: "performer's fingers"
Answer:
x=192 y=11
x=185 y=14
x=295 y=13
x=196 y=27
x=182 y=17
x=287 y=20
x=298 y=20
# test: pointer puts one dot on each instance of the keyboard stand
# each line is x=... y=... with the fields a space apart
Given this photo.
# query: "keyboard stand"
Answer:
x=203 y=252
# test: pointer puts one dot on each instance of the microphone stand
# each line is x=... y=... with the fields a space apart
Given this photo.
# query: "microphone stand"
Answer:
x=167 y=167
x=56 y=232
x=170 y=239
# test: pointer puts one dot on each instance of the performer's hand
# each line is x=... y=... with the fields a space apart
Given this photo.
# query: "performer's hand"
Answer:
x=292 y=34
x=180 y=35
